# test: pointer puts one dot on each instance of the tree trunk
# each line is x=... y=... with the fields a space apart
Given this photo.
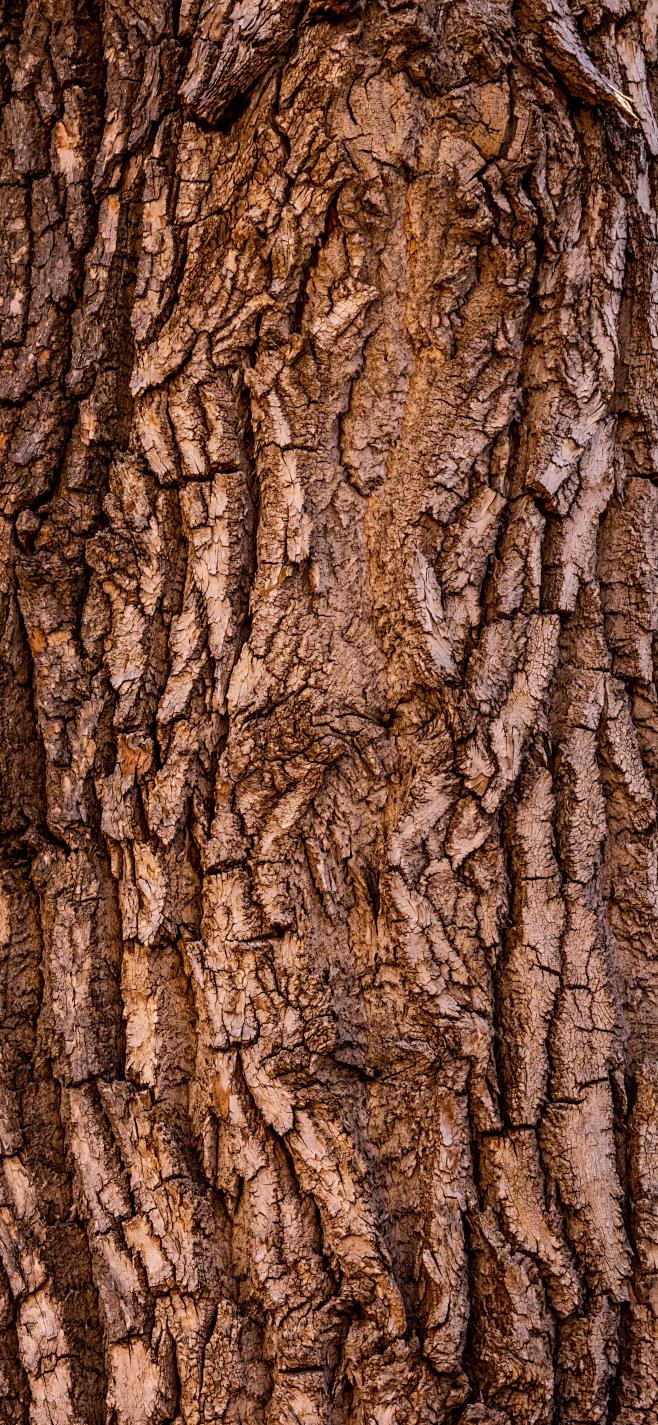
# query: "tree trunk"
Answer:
x=329 y=1055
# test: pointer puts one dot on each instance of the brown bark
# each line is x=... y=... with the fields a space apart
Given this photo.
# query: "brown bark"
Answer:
x=329 y=730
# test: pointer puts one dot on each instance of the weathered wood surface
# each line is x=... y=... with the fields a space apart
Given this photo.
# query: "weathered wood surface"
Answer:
x=329 y=732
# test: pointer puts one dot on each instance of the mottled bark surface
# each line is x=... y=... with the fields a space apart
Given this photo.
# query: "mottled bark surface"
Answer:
x=329 y=729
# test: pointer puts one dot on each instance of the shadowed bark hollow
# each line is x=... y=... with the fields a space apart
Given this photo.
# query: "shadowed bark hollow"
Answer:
x=329 y=728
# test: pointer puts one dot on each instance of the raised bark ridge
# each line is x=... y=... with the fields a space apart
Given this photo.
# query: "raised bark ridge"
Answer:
x=329 y=1056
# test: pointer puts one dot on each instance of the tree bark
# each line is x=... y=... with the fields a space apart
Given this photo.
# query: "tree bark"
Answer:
x=329 y=729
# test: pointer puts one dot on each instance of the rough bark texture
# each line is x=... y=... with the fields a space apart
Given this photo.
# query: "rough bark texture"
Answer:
x=329 y=730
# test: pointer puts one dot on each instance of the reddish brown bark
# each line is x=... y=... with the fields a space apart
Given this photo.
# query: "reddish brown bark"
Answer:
x=329 y=732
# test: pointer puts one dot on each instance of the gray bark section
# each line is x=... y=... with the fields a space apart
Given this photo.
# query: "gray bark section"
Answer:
x=329 y=730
